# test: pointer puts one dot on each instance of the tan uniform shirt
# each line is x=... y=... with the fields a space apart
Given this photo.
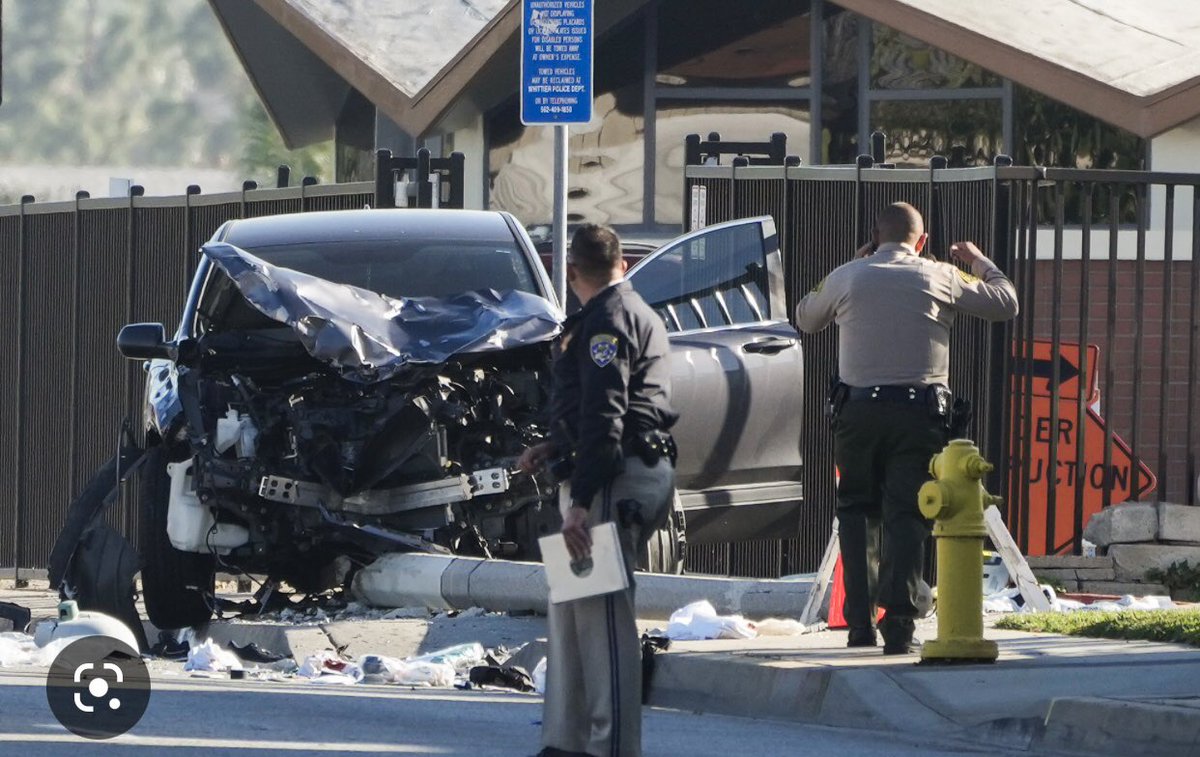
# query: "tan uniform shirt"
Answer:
x=894 y=310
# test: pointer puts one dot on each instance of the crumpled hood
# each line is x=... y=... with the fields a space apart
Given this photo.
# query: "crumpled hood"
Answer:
x=368 y=336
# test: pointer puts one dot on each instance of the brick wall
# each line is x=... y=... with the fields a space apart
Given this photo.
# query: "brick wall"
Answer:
x=1160 y=404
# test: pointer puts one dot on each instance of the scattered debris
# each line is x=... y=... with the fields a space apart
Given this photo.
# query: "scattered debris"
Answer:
x=780 y=627
x=19 y=649
x=327 y=667
x=169 y=647
x=1009 y=600
x=211 y=658
x=417 y=672
x=404 y=613
x=699 y=620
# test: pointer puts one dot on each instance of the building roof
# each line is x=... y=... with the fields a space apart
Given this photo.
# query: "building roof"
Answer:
x=1135 y=65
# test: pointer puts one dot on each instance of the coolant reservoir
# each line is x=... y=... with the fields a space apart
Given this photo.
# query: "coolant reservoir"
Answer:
x=190 y=523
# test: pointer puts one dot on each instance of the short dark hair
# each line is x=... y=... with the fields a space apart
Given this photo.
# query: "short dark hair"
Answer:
x=899 y=222
x=595 y=251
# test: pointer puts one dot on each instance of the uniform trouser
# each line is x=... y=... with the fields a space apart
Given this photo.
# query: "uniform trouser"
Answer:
x=882 y=450
x=594 y=661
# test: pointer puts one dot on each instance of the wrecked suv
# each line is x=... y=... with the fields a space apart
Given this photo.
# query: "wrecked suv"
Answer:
x=346 y=384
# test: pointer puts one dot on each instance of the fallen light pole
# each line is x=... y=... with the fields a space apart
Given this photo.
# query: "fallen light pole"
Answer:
x=444 y=582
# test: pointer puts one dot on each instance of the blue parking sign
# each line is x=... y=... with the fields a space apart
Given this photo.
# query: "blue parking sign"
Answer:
x=556 y=62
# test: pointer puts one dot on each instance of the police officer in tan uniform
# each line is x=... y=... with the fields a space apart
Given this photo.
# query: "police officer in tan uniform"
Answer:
x=610 y=410
x=894 y=310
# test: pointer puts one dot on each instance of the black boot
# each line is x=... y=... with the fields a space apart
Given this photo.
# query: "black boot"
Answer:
x=861 y=636
x=898 y=635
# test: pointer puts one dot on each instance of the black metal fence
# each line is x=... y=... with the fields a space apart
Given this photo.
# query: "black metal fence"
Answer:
x=1090 y=268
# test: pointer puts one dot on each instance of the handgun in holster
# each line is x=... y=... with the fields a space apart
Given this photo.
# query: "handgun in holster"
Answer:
x=960 y=418
x=838 y=394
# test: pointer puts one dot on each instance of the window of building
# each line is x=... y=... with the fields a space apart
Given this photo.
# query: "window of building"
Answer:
x=917 y=130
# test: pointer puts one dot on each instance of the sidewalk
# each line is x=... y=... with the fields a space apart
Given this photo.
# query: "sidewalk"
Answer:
x=1044 y=693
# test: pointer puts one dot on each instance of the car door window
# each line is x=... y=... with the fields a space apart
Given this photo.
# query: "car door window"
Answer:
x=708 y=281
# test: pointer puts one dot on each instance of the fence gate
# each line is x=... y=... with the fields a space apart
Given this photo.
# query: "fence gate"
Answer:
x=1084 y=250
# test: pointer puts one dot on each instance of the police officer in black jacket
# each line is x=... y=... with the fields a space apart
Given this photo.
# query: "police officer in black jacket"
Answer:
x=610 y=412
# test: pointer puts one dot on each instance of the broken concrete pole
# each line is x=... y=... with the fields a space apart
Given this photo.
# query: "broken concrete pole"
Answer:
x=1133 y=561
x=1126 y=523
x=1178 y=523
x=442 y=582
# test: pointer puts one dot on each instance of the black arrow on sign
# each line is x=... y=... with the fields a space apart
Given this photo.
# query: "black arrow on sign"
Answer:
x=1045 y=369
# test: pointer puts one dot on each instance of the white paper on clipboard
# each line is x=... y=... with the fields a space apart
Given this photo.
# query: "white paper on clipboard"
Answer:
x=604 y=575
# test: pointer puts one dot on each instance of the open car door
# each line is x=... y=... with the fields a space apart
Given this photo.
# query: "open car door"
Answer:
x=736 y=370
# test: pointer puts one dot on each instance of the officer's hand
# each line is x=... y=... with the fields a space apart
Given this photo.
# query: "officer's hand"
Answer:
x=866 y=250
x=533 y=458
x=966 y=252
x=575 y=533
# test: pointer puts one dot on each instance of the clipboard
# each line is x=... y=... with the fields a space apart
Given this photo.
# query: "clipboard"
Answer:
x=602 y=573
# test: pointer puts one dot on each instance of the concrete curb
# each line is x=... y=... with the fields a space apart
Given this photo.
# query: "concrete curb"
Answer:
x=1028 y=701
x=1148 y=728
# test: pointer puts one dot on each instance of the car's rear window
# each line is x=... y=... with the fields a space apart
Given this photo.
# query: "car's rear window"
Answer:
x=410 y=268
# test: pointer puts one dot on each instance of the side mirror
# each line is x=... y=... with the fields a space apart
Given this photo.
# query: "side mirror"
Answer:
x=143 y=341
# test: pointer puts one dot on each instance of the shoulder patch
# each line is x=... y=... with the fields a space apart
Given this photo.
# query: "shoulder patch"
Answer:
x=603 y=349
x=969 y=278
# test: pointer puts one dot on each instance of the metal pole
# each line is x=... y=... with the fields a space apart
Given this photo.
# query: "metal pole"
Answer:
x=560 y=213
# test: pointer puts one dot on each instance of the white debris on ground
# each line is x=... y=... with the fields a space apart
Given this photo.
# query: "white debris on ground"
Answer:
x=19 y=650
x=381 y=669
x=209 y=657
x=1007 y=601
x=699 y=620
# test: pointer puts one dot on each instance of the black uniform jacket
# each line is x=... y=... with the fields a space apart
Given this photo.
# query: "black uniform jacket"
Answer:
x=611 y=382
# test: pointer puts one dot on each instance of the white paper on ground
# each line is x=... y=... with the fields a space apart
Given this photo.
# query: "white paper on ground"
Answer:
x=699 y=620
x=211 y=658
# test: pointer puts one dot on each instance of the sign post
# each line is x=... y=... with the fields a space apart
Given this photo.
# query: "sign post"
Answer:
x=556 y=90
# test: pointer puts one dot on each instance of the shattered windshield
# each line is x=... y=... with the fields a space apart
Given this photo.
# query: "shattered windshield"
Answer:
x=409 y=267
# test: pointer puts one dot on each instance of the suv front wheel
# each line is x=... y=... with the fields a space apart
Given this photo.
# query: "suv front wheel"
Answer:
x=177 y=586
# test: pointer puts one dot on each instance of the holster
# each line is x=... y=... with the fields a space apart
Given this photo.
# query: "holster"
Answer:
x=838 y=394
x=960 y=418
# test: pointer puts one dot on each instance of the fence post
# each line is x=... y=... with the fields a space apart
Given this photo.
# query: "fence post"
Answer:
x=247 y=186
x=424 y=189
x=283 y=177
x=385 y=180
x=189 y=231
x=22 y=346
x=305 y=183
x=76 y=263
x=458 y=163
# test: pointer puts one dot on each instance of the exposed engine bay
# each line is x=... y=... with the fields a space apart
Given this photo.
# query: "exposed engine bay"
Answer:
x=277 y=466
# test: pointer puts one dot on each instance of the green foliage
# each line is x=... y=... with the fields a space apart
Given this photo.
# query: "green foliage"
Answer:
x=133 y=83
x=263 y=151
x=1181 y=578
x=1180 y=626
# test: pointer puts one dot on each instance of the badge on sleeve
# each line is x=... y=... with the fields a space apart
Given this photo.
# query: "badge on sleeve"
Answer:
x=603 y=349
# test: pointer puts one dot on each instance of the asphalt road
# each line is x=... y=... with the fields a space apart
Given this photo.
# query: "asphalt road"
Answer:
x=207 y=718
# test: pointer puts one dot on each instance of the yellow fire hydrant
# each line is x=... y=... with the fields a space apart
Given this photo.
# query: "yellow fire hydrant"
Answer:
x=955 y=501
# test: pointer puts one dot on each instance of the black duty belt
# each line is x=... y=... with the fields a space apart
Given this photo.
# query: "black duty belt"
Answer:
x=889 y=393
x=651 y=446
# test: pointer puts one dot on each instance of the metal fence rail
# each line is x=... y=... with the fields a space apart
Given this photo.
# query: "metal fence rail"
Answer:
x=1056 y=234
x=78 y=271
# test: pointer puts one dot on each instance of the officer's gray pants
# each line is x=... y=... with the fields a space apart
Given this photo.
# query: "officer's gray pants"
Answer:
x=594 y=661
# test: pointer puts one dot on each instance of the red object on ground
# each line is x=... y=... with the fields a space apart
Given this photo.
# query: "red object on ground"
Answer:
x=838 y=596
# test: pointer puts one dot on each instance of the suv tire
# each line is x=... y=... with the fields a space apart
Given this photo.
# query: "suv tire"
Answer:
x=176 y=585
x=666 y=549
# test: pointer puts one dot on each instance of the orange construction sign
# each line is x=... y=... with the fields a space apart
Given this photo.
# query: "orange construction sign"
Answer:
x=1071 y=373
x=1125 y=478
